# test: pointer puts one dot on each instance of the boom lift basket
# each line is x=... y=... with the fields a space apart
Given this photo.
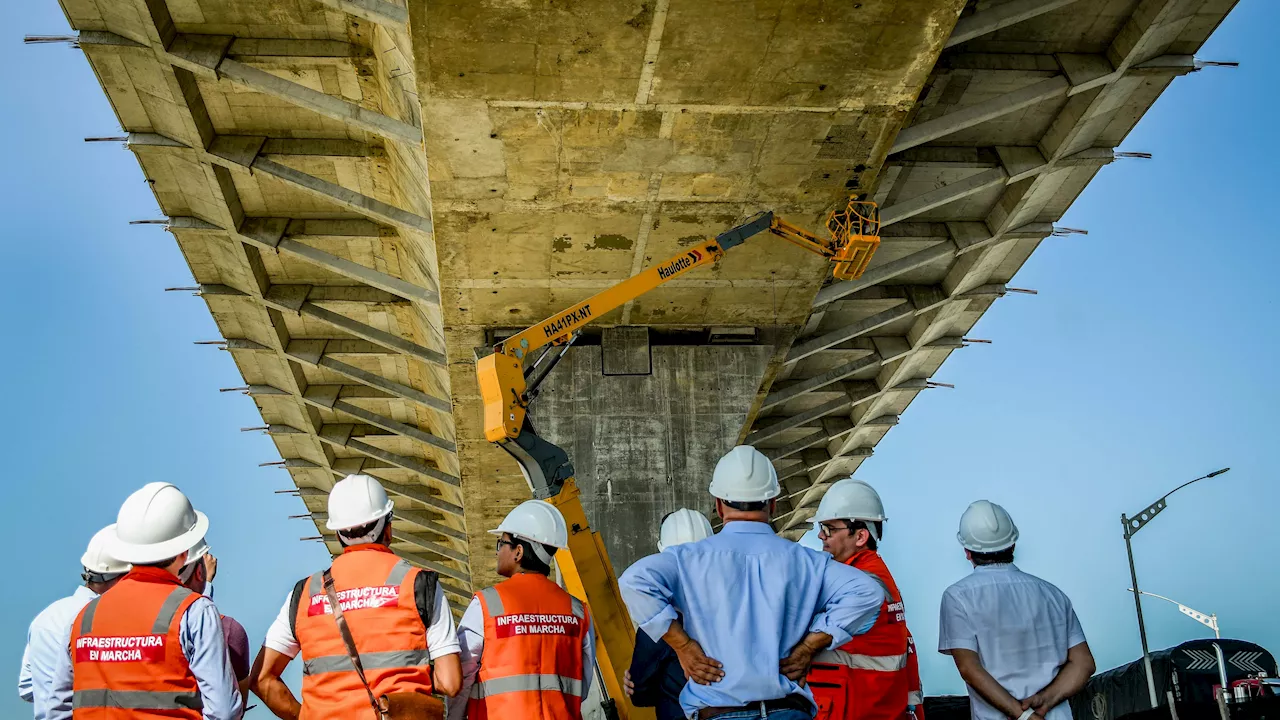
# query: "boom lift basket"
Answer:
x=855 y=235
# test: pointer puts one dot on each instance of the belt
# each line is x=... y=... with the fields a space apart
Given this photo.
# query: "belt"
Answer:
x=764 y=707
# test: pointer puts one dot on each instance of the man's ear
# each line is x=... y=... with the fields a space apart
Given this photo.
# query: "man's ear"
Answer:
x=773 y=506
x=862 y=537
x=518 y=552
x=719 y=509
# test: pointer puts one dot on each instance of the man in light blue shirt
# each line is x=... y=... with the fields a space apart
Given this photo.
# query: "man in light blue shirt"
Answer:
x=50 y=632
x=756 y=608
x=157 y=530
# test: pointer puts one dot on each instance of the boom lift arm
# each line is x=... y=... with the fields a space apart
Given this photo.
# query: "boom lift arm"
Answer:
x=507 y=389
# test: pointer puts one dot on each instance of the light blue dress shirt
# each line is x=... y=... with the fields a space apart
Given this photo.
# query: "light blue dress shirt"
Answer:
x=203 y=645
x=747 y=597
x=47 y=639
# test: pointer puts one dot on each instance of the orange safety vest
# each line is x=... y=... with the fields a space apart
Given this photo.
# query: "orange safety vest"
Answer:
x=867 y=678
x=375 y=589
x=531 y=667
x=127 y=654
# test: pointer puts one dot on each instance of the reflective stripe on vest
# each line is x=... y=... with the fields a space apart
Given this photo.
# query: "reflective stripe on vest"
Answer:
x=137 y=700
x=164 y=618
x=879 y=663
x=493 y=601
x=526 y=683
x=370 y=661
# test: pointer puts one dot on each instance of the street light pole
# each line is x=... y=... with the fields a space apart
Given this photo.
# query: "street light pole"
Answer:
x=1137 y=603
x=1131 y=528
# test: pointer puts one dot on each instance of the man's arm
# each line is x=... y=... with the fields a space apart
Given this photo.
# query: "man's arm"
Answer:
x=470 y=650
x=1070 y=680
x=697 y=666
x=849 y=603
x=977 y=677
x=24 y=673
x=58 y=705
x=647 y=589
x=264 y=680
x=442 y=643
x=205 y=647
x=588 y=656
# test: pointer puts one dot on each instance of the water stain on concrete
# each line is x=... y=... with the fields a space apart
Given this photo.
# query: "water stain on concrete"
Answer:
x=611 y=242
x=561 y=244
x=690 y=240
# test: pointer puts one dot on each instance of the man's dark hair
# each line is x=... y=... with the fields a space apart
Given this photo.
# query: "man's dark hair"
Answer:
x=529 y=561
x=361 y=531
x=1000 y=557
x=746 y=506
x=875 y=529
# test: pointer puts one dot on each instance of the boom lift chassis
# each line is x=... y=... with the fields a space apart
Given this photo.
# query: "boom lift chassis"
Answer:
x=507 y=389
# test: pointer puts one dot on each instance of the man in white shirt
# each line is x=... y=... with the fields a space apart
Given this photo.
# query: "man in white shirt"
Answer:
x=50 y=632
x=1014 y=638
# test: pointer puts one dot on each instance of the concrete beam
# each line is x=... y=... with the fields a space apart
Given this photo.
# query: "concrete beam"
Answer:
x=326 y=396
x=272 y=234
x=292 y=298
x=429 y=545
x=319 y=293
x=853 y=393
x=329 y=106
x=988 y=21
x=862 y=327
x=206 y=56
x=979 y=113
x=789 y=391
x=391 y=15
x=439 y=568
x=948 y=193
x=341 y=435
x=350 y=199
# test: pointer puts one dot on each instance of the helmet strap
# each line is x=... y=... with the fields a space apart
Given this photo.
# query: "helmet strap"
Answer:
x=372 y=536
x=89 y=576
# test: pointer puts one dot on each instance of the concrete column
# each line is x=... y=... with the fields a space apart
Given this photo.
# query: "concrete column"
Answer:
x=644 y=445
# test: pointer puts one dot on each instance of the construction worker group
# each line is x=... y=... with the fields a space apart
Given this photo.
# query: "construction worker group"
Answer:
x=730 y=625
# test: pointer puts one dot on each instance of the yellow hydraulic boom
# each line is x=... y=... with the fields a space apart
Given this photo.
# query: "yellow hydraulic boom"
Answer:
x=507 y=389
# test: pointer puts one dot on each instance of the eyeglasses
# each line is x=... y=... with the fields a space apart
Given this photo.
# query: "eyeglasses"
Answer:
x=825 y=530
x=501 y=542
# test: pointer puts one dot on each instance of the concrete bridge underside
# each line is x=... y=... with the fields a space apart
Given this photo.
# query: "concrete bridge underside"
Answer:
x=368 y=192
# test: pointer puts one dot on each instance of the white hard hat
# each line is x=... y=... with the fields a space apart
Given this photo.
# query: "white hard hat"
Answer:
x=97 y=558
x=357 y=500
x=851 y=499
x=986 y=527
x=683 y=526
x=537 y=521
x=744 y=474
x=156 y=523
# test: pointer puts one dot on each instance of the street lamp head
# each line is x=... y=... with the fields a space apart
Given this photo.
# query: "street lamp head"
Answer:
x=1216 y=473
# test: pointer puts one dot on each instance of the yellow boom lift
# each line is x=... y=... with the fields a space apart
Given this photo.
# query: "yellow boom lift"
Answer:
x=507 y=389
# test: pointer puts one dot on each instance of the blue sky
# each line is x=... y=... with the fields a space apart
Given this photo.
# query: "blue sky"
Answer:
x=1147 y=359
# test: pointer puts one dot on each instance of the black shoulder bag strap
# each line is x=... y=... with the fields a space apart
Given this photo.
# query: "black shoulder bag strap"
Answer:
x=379 y=712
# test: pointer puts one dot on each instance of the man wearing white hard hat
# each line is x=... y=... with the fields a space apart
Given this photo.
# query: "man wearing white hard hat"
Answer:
x=50 y=631
x=655 y=678
x=1015 y=638
x=149 y=646
x=733 y=604
x=371 y=604
x=528 y=648
x=197 y=576
x=868 y=678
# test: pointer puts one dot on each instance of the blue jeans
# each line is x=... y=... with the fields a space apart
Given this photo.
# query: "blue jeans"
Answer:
x=775 y=715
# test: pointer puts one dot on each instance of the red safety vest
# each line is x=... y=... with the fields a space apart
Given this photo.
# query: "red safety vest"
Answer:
x=868 y=677
x=127 y=653
x=531 y=667
x=375 y=589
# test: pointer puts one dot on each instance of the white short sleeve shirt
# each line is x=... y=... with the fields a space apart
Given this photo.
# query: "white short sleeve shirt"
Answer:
x=1020 y=626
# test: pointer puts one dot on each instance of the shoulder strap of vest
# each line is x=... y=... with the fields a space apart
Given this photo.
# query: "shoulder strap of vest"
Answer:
x=169 y=609
x=295 y=599
x=429 y=607
x=492 y=605
x=86 y=616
